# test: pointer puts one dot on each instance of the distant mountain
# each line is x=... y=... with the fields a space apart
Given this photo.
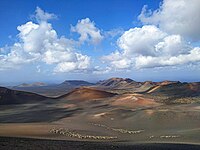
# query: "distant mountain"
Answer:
x=75 y=83
x=8 y=96
x=35 y=84
x=130 y=85
x=85 y=93
x=53 y=89
x=166 y=82
x=114 y=81
x=119 y=83
x=171 y=89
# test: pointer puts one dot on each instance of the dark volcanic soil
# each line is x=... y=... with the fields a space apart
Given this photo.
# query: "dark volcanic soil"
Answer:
x=11 y=143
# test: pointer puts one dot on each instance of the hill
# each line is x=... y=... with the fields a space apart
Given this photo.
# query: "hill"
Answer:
x=8 y=96
x=85 y=93
x=118 y=83
x=133 y=101
x=176 y=93
x=177 y=89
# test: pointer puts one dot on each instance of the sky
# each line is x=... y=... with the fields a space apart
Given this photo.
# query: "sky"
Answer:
x=52 y=41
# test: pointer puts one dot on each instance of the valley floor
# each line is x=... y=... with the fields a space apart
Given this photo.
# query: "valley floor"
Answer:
x=119 y=122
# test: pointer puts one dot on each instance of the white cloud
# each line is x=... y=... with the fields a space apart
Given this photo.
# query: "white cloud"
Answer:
x=150 y=62
x=163 y=40
x=117 y=60
x=52 y=56
x=82 y=63
x=40 y=42
x=171 y=45
x=38 y=68
x=114 y=32
x=65 y=67
x=34 y=37
x=101 y=70
x=175 y=17
x=40 y=15
x=88 y=31
x=15 y=58
x=140 y=40
x=149 y=47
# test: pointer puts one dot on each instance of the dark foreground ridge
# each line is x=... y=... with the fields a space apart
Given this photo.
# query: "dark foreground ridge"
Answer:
x=11 y=143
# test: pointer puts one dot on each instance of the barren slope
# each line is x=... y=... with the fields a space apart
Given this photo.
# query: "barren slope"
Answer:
x=8 y=96
x=85 y=93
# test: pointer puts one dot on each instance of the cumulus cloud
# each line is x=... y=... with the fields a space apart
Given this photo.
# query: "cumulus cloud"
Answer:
x=40 y=15
x=175 y=17
x=140 y=40
x=82 y=64
x=114 y=32
x=40 y=42
x=165 y=39
x=88 y=31
x=15 y=57
x=149 y=47
x=193 y=56
x=117 y=60
x=101 y=70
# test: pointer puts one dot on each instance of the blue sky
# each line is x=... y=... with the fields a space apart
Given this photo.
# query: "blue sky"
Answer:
x=52 y=41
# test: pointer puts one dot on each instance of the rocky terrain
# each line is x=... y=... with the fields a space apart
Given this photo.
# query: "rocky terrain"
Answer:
x=115 y=110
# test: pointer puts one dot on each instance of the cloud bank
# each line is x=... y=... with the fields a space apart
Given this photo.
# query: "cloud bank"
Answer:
x=39 y=42
x=163 y=40
x=175 y=17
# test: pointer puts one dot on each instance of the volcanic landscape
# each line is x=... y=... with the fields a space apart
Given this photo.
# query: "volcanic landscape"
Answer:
x=116 y=110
